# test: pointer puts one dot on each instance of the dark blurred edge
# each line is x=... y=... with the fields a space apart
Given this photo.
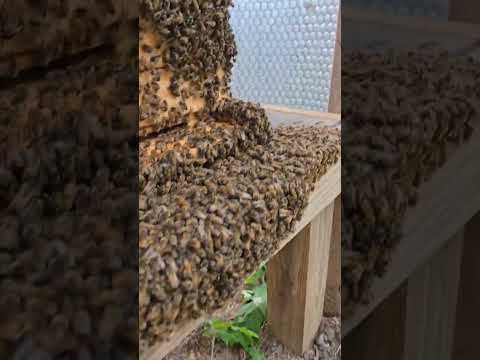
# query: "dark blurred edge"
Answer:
x=383 y=334
x=68 y=180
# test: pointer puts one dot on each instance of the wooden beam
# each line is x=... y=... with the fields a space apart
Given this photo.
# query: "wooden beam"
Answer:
x=467 y=326
x=432 y=304
x=296 y=284
x=283 y=116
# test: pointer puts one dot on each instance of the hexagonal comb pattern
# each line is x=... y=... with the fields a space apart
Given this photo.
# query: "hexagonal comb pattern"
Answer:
x=285 y=50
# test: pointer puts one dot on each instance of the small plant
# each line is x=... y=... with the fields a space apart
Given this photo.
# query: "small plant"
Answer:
x=245 y=329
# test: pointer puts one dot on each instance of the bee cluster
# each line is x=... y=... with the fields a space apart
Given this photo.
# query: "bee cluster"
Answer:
x=219 y=188
x=69 y=224
x=34 y=33
x=204 y=232
x=186 y=54
x=225 y=133
x=403 y=114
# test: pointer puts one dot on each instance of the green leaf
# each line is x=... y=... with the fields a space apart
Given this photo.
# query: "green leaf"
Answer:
x=245 y=331
x=260 y=297
x=255 y=354
x=246 y=309
x=252 y=321
x=218 y=324
x=257 y=277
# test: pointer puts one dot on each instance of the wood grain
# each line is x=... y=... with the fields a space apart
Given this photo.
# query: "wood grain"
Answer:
x=432 y=304
x=296 y=284
x=325 y=192
x=333 y=301
x=381 y=335
x=467 y=325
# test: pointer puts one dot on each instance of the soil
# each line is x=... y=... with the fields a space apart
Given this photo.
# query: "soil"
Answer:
x=327 y=346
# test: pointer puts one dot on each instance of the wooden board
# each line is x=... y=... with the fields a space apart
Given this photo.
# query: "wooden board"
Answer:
x=326 y=190
x=279 y=116
x=296 y=284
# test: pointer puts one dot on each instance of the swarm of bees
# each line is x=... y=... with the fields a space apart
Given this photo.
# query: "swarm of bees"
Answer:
x=186 y=54
x=69 y=225
x=204 y=232
x=403 y=113
x=219 y=188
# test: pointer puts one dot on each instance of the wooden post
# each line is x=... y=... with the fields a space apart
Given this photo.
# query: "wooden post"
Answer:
x=464 y=11
x=417 y=321
x=296 y=279
x=432 y=304
x=467 y=325
x=381 y=335
x=333 y=302
x=335 y=101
